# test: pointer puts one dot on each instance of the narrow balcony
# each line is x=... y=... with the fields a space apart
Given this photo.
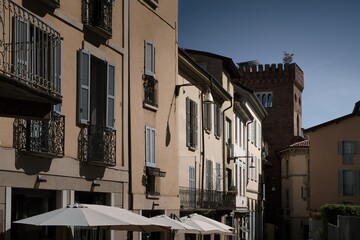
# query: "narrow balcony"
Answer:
x=97 y=17
x=206 y=199
x=150 y=89
x=97 y=145
x=43 y=138
x=30 y=64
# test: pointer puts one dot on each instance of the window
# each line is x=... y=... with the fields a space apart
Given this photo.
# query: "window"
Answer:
x=149 y=59
x=348 y=182
x=209 y=175
x=265 y=99
x=149 y=81
x=348 y=149
x=228 y=131
x=96 y=97
x=207 y=117
x=218 y=177
x=192 y=186
x=217 y=120
x=269 y=100
x=150 y=150
x=37 y=55
x=236 y=129
x=191 y=123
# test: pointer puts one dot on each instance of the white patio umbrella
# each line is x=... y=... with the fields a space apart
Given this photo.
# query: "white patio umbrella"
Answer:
x=175 y=224
x=221 y=225
x=96 y=215
x=207 y=225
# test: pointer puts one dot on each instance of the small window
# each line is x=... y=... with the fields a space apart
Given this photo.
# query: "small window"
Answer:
x=207 y=117
x=348 y=149
x=209 y=175
x=348 y=182
x=269 y=100
x=217 y=120
x=150 y=147
x=228 y=131
x=149 y=59
x=191 y=123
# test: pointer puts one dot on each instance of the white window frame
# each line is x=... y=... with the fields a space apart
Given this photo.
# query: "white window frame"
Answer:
x=149 y=57
x=150 y=146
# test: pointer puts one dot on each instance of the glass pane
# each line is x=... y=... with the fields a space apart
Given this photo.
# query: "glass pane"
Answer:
x=84 y=103
x=111 y=116
x=111 y=73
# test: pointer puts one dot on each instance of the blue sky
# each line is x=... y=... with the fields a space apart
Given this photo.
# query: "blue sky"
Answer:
x=324 y=35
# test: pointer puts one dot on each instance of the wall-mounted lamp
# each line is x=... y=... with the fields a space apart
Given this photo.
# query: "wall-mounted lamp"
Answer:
x=40 y=178
x=95 y=183
x=208 y=98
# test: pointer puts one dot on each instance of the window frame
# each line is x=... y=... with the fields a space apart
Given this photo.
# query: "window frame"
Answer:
x=217 y=121
x=85 y=91
x=150 y=146
x=191 y=123
x=149 y=70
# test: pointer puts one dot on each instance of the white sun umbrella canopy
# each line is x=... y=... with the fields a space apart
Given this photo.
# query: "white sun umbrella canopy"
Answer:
x=207 y=225
x=96 y=216
x=221 y=225
x=175 y=224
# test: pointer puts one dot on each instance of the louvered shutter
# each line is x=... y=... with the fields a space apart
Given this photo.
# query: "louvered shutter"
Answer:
x=110 y=103
x=188 y=132
x=195 y=124
x=83 y=87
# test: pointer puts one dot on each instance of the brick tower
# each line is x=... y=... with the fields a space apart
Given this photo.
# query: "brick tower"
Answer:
x=279 y=88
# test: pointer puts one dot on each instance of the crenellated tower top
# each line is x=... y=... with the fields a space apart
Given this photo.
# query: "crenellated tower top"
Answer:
x=269 y=72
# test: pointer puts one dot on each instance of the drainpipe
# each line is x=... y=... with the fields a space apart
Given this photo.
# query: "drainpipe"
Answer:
x=247 y=150
x=224 y=141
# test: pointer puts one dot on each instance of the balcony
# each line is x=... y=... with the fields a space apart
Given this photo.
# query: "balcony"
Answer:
x=207 y=199
x=44 y=138
x=97 y=145
x=30 y=64
x=150 y=89
x=97 y=17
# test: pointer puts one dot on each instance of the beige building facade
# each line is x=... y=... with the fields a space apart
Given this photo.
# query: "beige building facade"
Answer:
x=153 y=120
x=334 y=156
x=295 y=169
x=206 y=175
x=63 y=136
x=249 y=115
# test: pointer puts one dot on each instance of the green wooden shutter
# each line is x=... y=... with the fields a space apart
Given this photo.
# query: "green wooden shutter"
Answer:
x=83 y=87
x=110 y=103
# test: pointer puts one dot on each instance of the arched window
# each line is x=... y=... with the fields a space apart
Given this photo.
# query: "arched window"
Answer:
x=269 y=100
x=264 y=100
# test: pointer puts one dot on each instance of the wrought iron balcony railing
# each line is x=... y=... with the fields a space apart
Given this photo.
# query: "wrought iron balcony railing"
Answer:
x=41 y=137
x=97 y=145
x=207 y=199
x=97 y=14
x=30 y=51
